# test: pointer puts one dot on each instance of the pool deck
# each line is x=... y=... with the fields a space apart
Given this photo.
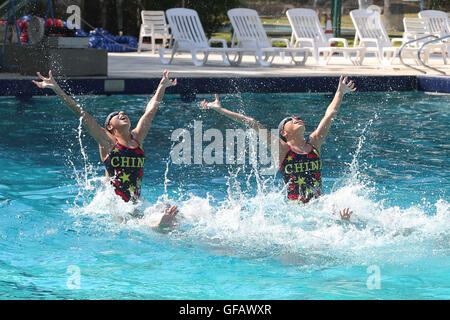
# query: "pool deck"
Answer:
x=138 y=73
x=147 y=65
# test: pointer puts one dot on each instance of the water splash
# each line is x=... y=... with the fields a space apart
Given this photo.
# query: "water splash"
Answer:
x=166 y=172
x=85 y=184
x=265 y=225
x=254 y=224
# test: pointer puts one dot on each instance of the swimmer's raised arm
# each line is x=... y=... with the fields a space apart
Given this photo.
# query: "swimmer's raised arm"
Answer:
x=168 y=218
x=217 y=106
x=145 y=121
x=95 y=130
x=318 y=136
x=248 y=121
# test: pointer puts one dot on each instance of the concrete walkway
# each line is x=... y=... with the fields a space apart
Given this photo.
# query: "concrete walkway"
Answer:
x=147 y=65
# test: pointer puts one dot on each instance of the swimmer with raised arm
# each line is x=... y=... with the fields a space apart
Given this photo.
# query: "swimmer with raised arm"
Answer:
x=121 y=149
x=299 y=159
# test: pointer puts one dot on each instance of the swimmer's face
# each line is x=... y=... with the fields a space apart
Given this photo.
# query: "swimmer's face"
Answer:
x=119 y=121
x=293 y=127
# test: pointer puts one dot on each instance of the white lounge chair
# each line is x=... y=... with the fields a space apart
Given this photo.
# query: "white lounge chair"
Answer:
x=307 y=32
x=371 y=34
x=188 y=36
x=437 y=21
x=153 y=25
x=438 y=24
x=249 y=35
x=414 y=28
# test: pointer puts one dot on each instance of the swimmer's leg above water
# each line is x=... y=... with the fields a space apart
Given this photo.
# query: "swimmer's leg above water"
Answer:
x=299 y=159
x=120 y=149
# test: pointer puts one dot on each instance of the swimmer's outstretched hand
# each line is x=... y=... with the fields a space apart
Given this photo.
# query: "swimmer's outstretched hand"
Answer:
x=211 y=105
x=345 y=85
x=166 y=82
x=346 y=214
x=46 y=82
x=168 y=219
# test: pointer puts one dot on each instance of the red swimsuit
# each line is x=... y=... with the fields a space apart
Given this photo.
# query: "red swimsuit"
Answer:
x=125 y=167
x=302 y=173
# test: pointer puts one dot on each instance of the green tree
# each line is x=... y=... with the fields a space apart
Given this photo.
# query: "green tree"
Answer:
x=212 y=13
x=443 y=5
x=392 y=17
x=106 y=13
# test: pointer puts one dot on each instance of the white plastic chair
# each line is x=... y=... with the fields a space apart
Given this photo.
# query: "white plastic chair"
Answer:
x=414 y=28
x=307 y=32
x=371 y=34
x=374 y=7
x=188 y=36
x=153 y=25
x=249 y=35
x=437 y=22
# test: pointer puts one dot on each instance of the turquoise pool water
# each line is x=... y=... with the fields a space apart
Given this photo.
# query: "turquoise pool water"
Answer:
x=386 y=157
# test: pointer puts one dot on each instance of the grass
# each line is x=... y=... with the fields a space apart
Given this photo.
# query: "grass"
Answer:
x=346 y=23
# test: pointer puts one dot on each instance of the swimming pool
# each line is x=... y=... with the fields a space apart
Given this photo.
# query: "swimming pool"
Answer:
x=386 y=157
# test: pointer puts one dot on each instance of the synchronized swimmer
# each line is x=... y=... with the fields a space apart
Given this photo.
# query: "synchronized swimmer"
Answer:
x=122 y=153
x=299 y=159
x=121 y=149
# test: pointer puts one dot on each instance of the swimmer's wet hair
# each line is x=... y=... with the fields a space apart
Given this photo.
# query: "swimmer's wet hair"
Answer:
x=109 y=117
x=281 y=127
